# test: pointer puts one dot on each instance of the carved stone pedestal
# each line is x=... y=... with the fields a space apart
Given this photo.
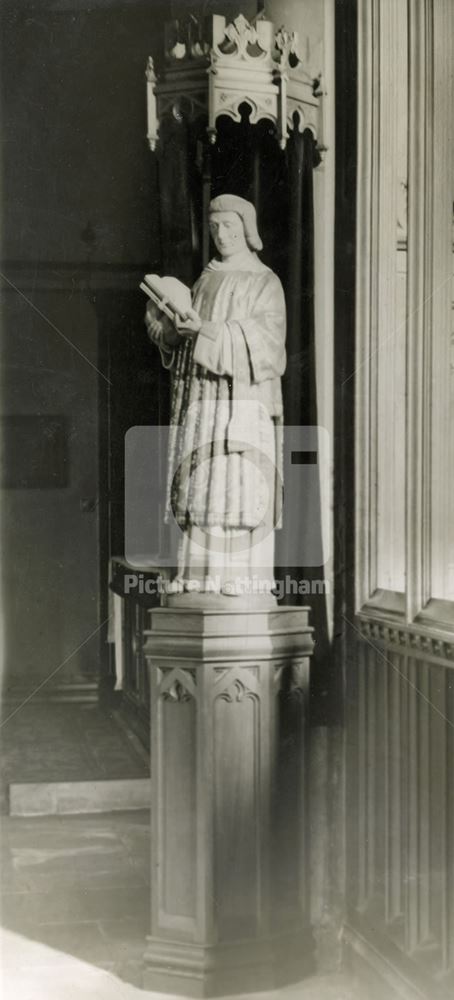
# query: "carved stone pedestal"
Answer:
x=229 y=696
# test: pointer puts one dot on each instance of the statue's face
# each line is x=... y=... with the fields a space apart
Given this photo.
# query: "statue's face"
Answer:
x=227 y=231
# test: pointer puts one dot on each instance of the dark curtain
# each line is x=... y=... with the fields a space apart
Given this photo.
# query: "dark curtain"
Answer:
x=299 y=381
x=302 y=507
x=246 y=160
x=181 y=178
x=181 y=175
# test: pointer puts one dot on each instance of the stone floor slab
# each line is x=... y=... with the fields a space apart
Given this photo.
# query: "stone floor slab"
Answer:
x=67 y=797
x=77 y=940
x=45 y=743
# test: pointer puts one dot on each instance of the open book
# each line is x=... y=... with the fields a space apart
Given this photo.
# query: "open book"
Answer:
x=169 y=294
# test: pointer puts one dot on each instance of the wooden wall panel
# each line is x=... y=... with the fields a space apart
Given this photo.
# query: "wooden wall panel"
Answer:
x=400 y=678
x=176 y=803
x=393 y=795
x=400 y=886
x=236 y=813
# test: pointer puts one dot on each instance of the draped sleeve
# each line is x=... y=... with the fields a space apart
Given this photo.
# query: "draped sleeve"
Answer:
x=249 y=347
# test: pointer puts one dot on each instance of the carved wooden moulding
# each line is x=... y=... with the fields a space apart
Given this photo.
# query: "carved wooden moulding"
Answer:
x=213 y=68
x=410 y=640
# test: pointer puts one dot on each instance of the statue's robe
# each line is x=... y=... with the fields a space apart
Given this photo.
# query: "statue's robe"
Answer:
x=225 y=463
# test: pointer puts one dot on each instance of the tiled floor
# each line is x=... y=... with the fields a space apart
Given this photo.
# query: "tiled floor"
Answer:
x=33 y=972
x=74 y=911
x=80 y=886
x=75 y=889
x=66 y=742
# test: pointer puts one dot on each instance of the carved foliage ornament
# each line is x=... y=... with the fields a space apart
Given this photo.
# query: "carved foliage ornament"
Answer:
x=149 y=72
x=237 y=683
x=243 y=38
x=226 y=65
x=292 y=679
x=177 y=685
x=236 y=692
x=287 y=47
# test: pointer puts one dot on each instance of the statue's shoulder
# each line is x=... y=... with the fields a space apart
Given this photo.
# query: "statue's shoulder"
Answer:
x=265 y=274
x=269 y=278
x=256 y=266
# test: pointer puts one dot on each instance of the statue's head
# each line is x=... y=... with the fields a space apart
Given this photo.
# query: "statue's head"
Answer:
x=233 y=225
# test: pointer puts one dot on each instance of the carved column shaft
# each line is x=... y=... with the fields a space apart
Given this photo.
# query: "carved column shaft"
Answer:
x=228 y=723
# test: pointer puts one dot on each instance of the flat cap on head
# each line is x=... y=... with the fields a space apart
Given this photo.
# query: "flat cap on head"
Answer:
x=246 y=211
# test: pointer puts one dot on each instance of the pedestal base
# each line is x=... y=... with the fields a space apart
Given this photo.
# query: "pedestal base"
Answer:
x=242 y=967
x=229 y=694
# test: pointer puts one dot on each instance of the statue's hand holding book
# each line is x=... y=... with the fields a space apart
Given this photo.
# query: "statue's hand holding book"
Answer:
x=190 y=325
x=169 y=314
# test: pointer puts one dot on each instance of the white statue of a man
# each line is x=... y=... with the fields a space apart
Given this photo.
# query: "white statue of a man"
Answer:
x=227 y=358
